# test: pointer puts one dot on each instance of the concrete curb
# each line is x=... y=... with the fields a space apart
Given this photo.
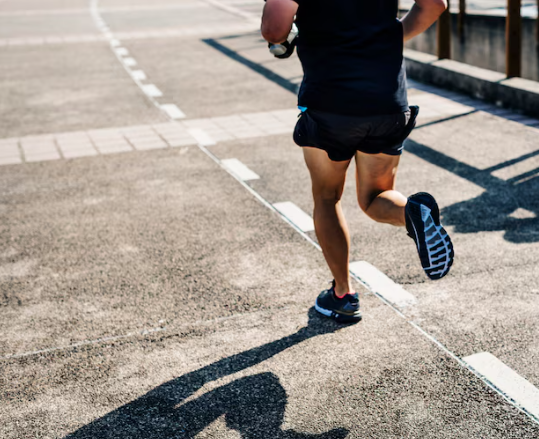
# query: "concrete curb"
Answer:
x=515 y=93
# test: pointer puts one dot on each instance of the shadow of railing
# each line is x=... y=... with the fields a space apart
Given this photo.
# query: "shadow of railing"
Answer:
x=489 y=212
x=256 y=67
x=253 y=405
x=492 y=210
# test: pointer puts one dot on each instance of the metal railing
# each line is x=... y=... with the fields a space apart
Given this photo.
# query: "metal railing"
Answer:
x=513 y=35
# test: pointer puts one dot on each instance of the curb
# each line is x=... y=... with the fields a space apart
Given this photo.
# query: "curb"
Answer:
x=515 y=93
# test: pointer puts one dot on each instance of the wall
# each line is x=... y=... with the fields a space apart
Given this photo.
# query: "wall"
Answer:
x=483 y=44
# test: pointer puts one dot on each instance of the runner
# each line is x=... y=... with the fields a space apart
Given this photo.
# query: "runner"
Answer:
x=354 y=104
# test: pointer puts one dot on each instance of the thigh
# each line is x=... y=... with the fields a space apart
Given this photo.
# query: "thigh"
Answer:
x=375 y=173
x=327 y=176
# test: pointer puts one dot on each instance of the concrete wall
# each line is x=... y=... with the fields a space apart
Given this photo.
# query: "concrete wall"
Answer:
x=483 y=44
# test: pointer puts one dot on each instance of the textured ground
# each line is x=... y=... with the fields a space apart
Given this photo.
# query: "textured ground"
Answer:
x=147 y=293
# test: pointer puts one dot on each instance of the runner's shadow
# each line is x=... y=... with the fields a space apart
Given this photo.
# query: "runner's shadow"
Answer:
x=253 y=405
x=507 y=205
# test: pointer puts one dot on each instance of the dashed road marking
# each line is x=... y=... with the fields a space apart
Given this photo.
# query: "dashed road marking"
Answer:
x=513 y=385
x=129 y=62
x=138 y=75
x=151 y=90
x=173 y=111
x=240 y=170
x=442 y=347
x=380 y=284
x=121 y=51
x=295 y=215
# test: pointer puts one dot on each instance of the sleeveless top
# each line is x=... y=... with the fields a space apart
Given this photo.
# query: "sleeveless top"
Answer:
x=352 y=57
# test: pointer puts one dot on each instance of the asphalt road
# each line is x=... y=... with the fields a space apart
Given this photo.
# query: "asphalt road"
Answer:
x=148 y=290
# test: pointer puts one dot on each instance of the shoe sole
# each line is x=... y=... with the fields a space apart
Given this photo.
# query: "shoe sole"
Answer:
x=434 y=246
x=341 y=318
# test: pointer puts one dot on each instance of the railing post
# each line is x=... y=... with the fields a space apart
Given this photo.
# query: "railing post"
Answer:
x=443 y=34
x=513 y=39
x=461 y=17
x=537 y=25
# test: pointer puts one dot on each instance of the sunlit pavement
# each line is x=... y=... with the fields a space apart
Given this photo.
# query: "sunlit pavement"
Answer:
x=158 y=265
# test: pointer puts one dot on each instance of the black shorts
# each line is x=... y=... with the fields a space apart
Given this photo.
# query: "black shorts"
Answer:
x=342 y=136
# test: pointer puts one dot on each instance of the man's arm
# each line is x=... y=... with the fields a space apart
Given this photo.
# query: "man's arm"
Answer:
x=277 y=20
x=422 y=15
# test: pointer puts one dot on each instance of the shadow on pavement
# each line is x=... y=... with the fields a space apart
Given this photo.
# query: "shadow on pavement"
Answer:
x=253 y=405
x=492 y=210
x=257 y=67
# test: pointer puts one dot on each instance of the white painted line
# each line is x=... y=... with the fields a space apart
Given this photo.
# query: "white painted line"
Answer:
x=129 y=62
x=201 y=136
x=115 y=43
x=84 y=343
x=173 y=111
x=431 y=338
x=232 y=9
x=239 y=169
x=516 y=387
x=380 y=284
x=138 y=75
x=295 y=215
x=121 y=51
x=151 y=90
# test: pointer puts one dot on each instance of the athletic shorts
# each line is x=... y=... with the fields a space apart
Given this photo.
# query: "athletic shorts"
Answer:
x=342 y=136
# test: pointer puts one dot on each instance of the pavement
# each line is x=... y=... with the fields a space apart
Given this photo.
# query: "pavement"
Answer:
x=155 y=283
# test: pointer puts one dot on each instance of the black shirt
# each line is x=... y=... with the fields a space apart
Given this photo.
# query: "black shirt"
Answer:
x=351 y=53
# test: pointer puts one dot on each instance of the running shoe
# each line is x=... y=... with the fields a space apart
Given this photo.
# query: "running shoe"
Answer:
x=344 y=310
x=433 y=243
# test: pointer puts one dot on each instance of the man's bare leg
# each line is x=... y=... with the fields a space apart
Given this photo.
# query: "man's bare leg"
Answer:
x=375 y=179
x=328 y=179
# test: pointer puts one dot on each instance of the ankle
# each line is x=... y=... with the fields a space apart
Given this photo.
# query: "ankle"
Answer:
x=342 y=290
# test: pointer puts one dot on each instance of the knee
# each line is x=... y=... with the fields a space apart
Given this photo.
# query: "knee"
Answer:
x=365 y=200
x=327 y=196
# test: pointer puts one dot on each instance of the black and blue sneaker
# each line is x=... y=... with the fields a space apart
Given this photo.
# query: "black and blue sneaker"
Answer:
x=344 y=310
x=433 y=243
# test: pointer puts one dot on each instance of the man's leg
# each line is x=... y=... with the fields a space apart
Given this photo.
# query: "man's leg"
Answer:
x=376 y=175
x=375 y=179
x=328 y=179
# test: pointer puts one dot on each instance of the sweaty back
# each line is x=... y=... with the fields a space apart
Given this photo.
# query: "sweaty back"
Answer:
x=351 y=52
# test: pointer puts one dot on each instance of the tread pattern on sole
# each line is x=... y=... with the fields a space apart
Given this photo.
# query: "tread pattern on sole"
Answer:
x=433 y=242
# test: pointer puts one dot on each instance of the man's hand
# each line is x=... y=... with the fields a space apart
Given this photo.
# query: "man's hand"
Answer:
x=422 y=16
x=277 y=20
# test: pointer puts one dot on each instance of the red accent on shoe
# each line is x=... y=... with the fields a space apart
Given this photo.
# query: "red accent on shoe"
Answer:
x=340 y=297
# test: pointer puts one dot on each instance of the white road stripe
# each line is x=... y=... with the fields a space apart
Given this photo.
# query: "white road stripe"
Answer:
x=121 y=51
x=233 y=10
x=516 y=387
x=138 y=75
x=201 y=136
x=379 y=283
x=129 y=62
x=173 y=111
x=239 y=169
x=151 y=90
x=83 y=343
x=295 y=215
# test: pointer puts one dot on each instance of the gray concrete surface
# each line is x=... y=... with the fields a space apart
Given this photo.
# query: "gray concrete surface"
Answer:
x=149 y=294
x=519 y=94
